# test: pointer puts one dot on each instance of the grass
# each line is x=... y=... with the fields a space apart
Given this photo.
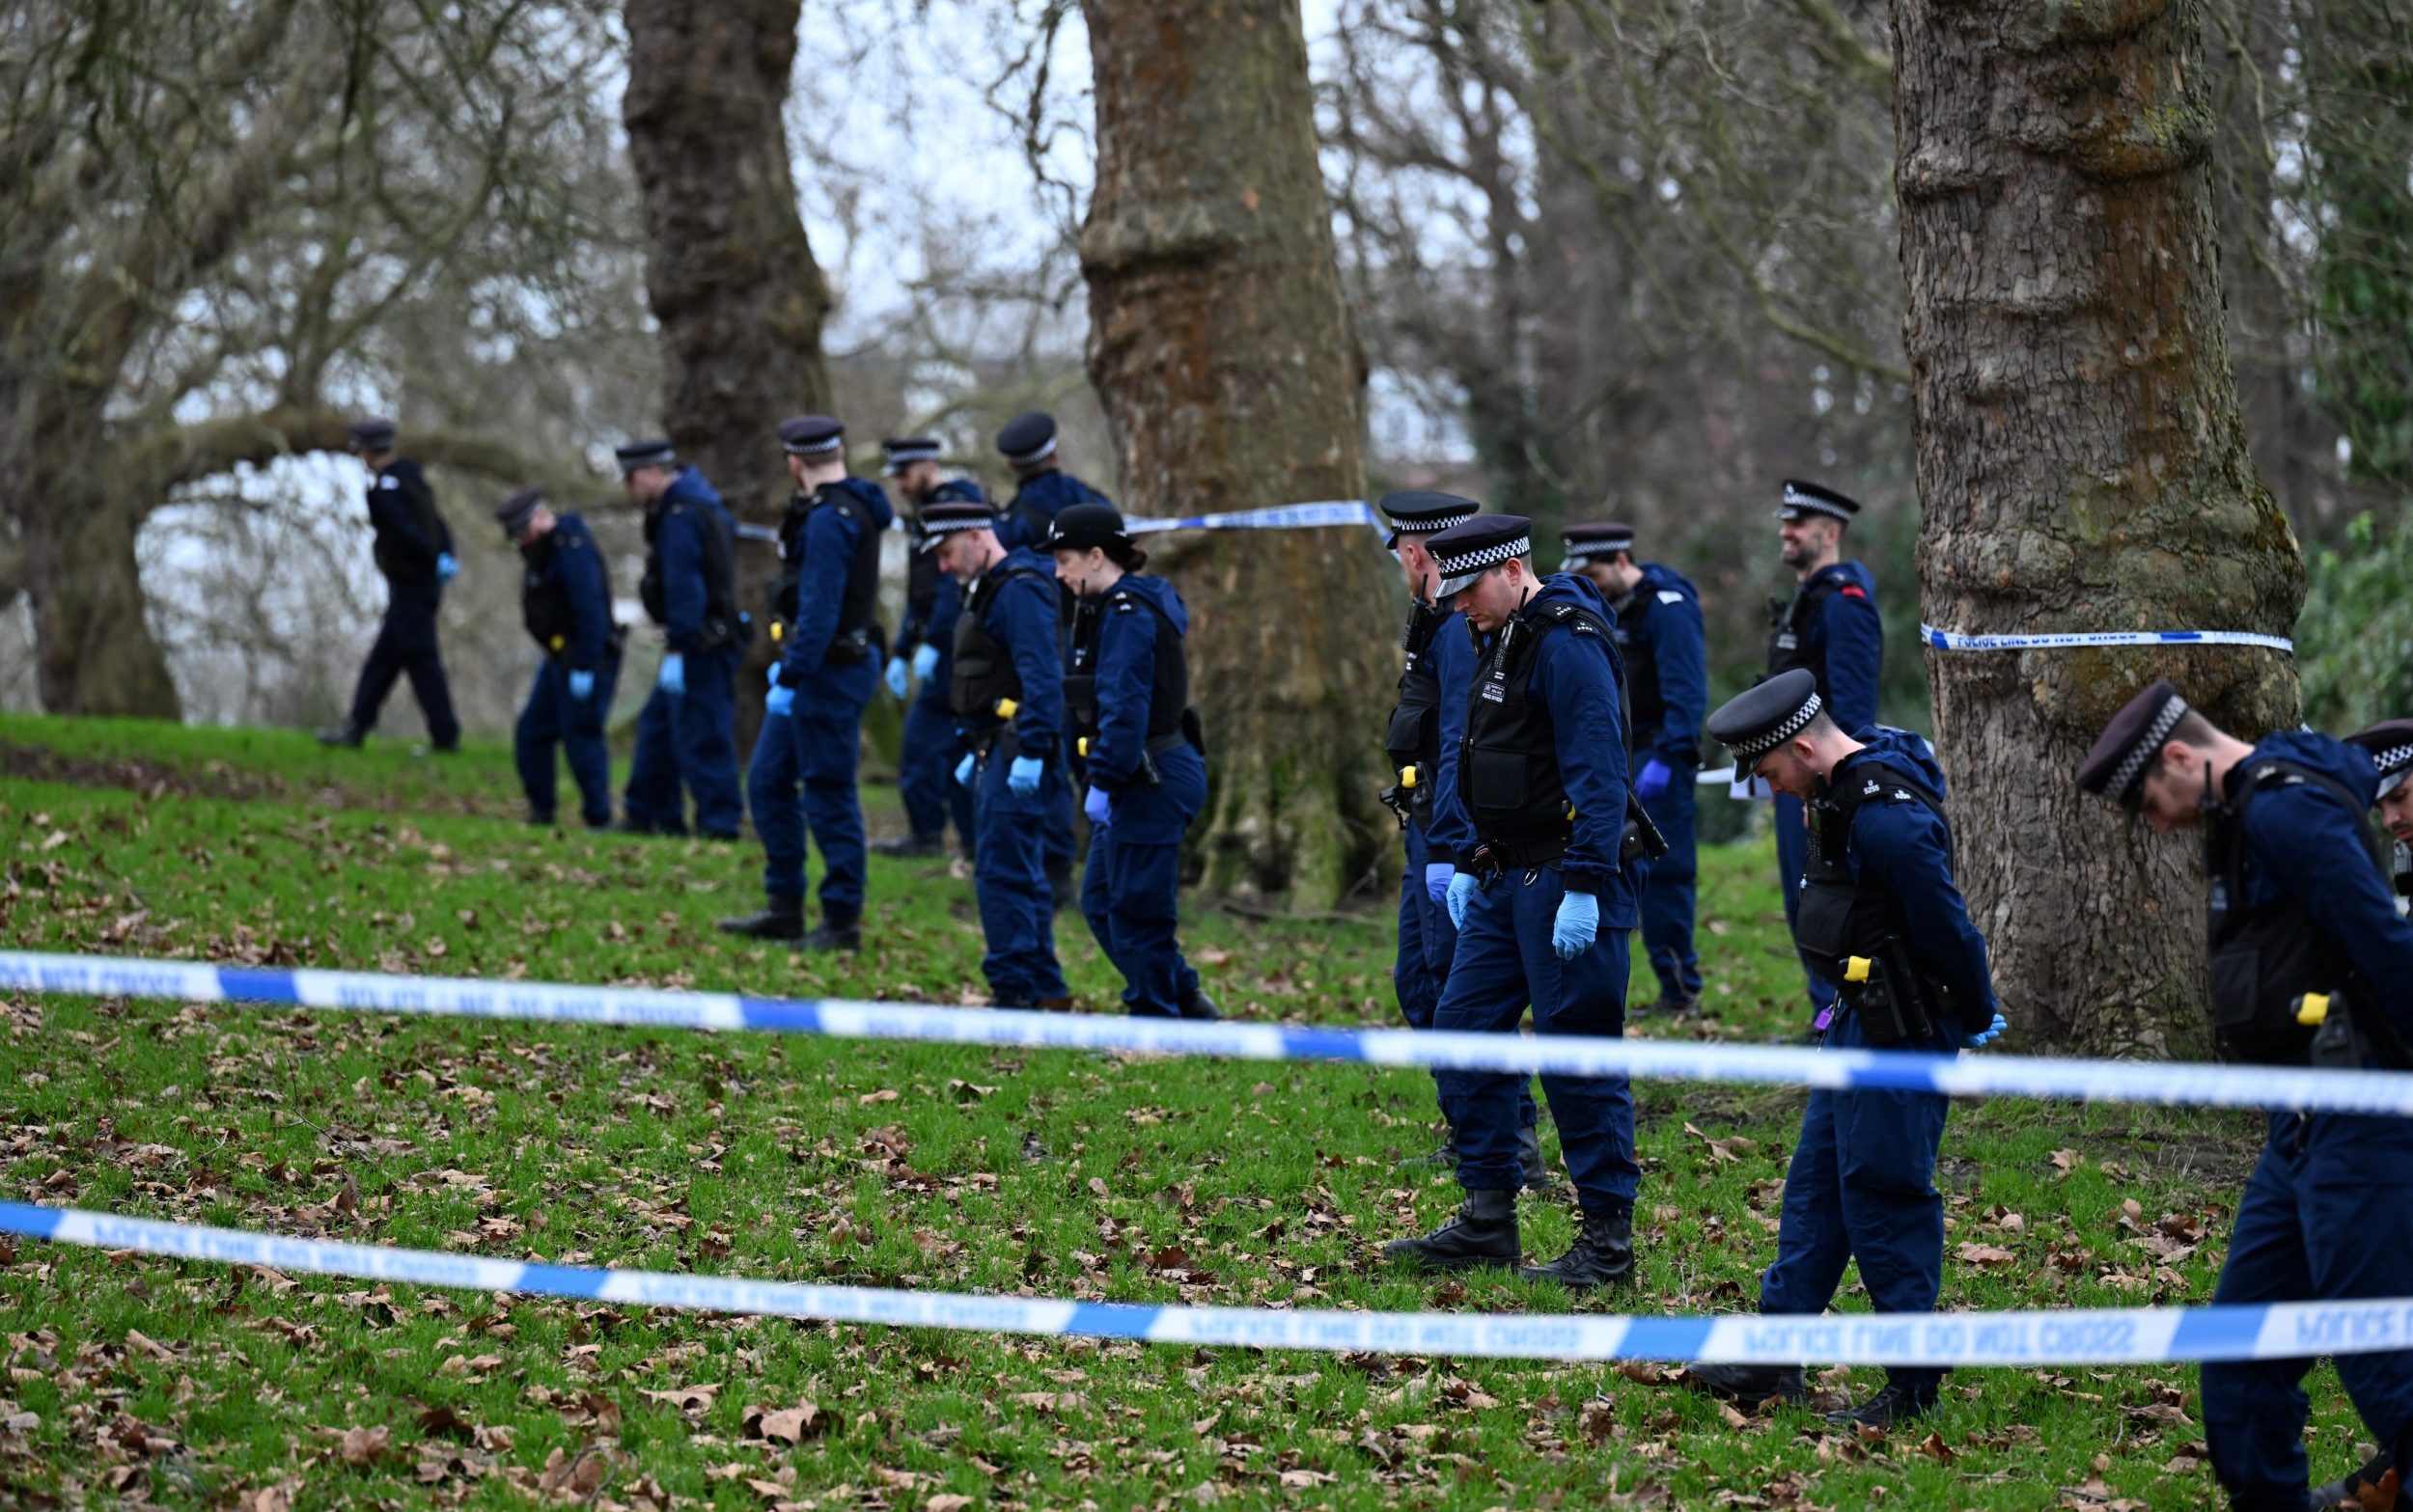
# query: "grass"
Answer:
x=953 y=1168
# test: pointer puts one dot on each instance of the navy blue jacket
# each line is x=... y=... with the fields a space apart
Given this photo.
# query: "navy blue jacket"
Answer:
x=1662 y=622
x=1127 y=676
x=1902 y=845
x=1848 y=641
x=1036 y=505
x=2301 y=844
x=826 y=556
x=1449 y=831
x=575 y=567
x=688 y=507
x=938 y=625
x=1574 y=676
x=1022 y=615
x=398 y=496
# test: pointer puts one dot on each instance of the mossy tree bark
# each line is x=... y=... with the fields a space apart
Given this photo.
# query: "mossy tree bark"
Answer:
x=1221 y=347
x=2082 y=465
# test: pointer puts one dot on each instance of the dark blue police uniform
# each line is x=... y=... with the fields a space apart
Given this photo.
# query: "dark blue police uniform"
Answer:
x=1667 y=682
x=1039 y=496
x=930 y=747
x=410 y=536
x=565 y=599
x=690 y=738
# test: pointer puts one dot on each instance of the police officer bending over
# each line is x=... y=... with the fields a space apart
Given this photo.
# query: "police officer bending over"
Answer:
x=1008 y=697
x=1883 y=922
x=1543 y=904
x=2391 y=748
x=414 y=553
x=1140 y=747
x=687 y=731
x=565 y=600
x=2310 y=965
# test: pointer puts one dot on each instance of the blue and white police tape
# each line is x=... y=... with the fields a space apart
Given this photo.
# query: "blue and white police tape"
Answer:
x=2074 y=640
x=2182 y=1084
x=1282 y=517
x=2078 y=1336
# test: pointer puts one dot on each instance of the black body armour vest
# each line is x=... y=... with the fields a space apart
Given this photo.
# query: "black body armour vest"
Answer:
x=782 y=589
x=2265 y=960
x=544 y=598
x=922 y=579
x=1509 y=762
x=1855 y=935
x=1788 y=624
x=721 y=623
x=1169 y=680
x=858 y=611
x=985 y=671
x=1414 y=737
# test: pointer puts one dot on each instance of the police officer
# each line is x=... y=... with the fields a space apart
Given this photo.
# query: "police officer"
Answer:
x=1426 y=725
x=1543 y=903
x=1042 y=490
x=1883 y=922
x=1141 y=751
x=413 y=550
x=1008 y=697
x=566 y=601
x=2310 y=965
x=687 y=731
x=1829 y=627
x=2389 y=746
x=925 y=651
x=1664 y=650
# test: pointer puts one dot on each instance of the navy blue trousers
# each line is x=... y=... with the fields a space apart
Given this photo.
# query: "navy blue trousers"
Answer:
x=1504 y=963
x=1009 y=883
x=1668 y=900
x=777 y=808
x=689 y=740
x=2327 y=1214
x=1130 y=889
x=552 y=718
x=828 y=723
x=1428 y=940
x=926 y=764
x=1793 y=856
x=405 y=643
x=1862 y=1187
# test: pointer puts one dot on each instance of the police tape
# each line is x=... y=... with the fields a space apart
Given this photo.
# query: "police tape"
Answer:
x=1282 y=517
x=2078 y=1336
x=2182 y=1084
x=2073 y=640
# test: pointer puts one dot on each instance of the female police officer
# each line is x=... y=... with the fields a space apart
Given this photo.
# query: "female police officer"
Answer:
x=1127 y=699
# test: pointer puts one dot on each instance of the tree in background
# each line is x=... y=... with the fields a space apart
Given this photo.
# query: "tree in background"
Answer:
x=2082 y=465
x=1221 y=345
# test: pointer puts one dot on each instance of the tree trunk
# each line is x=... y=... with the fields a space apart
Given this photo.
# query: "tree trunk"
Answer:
x=1222 y=350
x=728 y=272
x=2081 y=466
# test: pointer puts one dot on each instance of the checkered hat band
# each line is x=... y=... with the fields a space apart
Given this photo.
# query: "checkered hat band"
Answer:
x=971 y=522
x=1428 y=524
x=1795 y=498
x=2123 y=778
x=1482 y=557
x=2395 y=759
x=1768 y=740
x=813 y=448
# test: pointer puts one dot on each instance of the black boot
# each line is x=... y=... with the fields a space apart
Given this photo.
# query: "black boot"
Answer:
x=1529 y=1156
x=780 y=919
x=1482 y=1233
x=1673 y=1006
x=350 y=732
x=1896 y=1404
x=911 y=847
x=837 y=932
x=1750 y=1386
x=1443 y=1156
x=1602 y=1255
x=1198 y=1004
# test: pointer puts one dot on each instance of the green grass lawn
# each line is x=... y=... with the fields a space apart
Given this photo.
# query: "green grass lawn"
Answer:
x=943 y=1167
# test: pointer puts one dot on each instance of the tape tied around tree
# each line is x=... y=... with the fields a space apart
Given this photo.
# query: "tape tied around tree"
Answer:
x=2078 y=640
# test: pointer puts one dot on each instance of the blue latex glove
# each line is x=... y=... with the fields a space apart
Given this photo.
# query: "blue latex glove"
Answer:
x=963 y=770
x=771 y=678
x=778 y=701
x=1577 y=924
x=1653 y=778
x=581 y=684
x=445 y=568
x=896 y=676
x=1099 y=806
x=1461 y=893
x=924 y=662
x=1022 y=778
x=1984 y=1036
x=674 y=676
x=1437 y=877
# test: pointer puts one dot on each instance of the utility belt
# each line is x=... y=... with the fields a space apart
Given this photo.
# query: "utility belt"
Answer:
x=857 y=645
x=1896 y=1005
x=722 y=630
x=1411 y=796
x=1638 y=839
x=1158 y=745
x=1495 y=859
x=617 y=637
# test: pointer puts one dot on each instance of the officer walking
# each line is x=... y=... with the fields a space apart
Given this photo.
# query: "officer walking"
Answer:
x=2389 y=746
x=566 y=601
x=1829 y=627
x=1426 y=725
x=2310 y=965
x=925 y=649
x=1008 y=697
x=1543 y=903
x=687 y=731
x=829 y=544
x=413 y=550
x=1882 y=920
x=1141 y=750
x=1664 y=650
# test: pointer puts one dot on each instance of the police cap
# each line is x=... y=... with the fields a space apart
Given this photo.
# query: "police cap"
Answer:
x=944 y=517
x=1028 y=438
x=637 y=455
x=1596 y=541
x=2115 y=766
x=1471 y=548
x=372 y=433
x=2391 y=745
x=902 y=451
x=1758 y=720
x=1422 y=511
x=1085 y=527
x=514 y=512
x=811 y=436
x=1805 y=498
